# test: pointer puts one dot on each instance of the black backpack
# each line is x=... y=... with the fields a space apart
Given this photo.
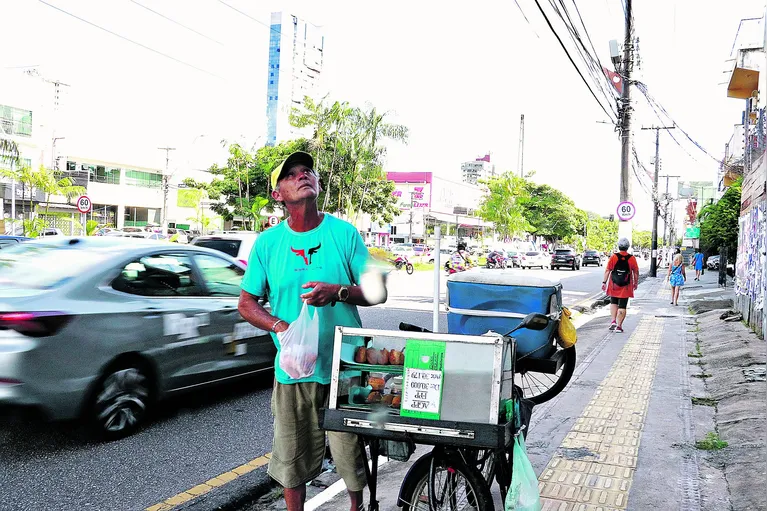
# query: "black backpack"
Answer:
x=621 y=274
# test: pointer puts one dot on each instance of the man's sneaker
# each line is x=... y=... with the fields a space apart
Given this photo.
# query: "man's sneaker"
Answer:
x=613 y=325
x=619 y=329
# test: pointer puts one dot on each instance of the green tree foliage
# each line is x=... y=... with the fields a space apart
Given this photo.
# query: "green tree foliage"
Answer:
x=719 y=222
x=348 y=147
x=502 y=205
x=641 y=239
x=601 y=234
x=551 y=214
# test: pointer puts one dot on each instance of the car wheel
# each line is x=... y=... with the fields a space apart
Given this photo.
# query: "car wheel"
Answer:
x=121 y=400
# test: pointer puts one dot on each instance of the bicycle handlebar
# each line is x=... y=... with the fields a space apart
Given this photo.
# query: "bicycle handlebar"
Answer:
x=407 y=327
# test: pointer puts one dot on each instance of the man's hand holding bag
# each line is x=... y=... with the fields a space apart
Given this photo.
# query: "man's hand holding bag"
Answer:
x=299 y=344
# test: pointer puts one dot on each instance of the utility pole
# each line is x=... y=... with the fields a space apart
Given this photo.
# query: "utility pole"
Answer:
x=521 y=162
x=624 y=228
x=656 y=200
x=165 y=189
x=666 y=222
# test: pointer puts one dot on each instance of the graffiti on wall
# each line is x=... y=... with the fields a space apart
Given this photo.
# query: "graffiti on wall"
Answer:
x=750 y=279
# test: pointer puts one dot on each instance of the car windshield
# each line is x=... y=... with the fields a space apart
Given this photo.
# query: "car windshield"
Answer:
x=40 y=266
x=563 y=251
x=229 y=247
x=591 y=252
x=532 y=253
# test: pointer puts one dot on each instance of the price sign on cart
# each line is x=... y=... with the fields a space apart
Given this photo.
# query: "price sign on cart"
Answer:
x=626 y=211
x=84 y=204
x=424 y=379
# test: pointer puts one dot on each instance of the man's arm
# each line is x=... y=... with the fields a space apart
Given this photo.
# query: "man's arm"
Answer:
x=604 y=278
x=324 y=293
x=255 y=314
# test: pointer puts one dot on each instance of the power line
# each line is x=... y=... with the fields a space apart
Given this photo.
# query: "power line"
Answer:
x=176 y=22
x=527 y=20
x=570 y=58
x=593 y=65
x=246 y=15
x=130 y=40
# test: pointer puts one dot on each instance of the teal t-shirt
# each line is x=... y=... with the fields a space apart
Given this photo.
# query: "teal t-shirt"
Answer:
x=283 y=260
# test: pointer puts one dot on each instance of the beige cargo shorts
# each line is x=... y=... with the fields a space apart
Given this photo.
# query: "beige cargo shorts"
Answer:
x=299 y=444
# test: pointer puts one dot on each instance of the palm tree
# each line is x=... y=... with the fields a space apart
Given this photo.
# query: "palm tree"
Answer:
x=51 y=183
x=374 y=129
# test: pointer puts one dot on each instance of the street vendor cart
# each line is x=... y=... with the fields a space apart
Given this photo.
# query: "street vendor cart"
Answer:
x=456 y=392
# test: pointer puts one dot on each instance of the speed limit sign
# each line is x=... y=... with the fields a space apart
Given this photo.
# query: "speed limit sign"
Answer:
x=84 y=204
x=626 y=211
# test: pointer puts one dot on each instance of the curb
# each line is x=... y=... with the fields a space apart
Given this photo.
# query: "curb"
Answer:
x=244 y=491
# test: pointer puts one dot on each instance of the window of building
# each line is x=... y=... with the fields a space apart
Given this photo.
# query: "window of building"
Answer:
x=15 y=121
x=101 y=174
x=143 y=179
x=271 y=82
x=71 y=166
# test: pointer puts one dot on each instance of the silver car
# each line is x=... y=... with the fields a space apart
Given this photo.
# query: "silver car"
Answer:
x=103 y=327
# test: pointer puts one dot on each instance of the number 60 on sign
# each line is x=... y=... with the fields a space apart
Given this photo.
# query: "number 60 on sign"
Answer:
x=626 y=211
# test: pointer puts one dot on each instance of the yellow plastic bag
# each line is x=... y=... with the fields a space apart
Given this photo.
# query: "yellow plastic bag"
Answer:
x=566 y=334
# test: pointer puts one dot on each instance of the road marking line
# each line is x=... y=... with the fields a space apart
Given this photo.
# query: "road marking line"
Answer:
x=595 y=463
x=210 y=484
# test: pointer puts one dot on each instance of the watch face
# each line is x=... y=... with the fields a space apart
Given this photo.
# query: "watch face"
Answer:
x=344 y=293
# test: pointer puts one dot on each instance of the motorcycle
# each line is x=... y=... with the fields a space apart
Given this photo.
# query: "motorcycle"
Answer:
x=401 y=261
x=496 y=260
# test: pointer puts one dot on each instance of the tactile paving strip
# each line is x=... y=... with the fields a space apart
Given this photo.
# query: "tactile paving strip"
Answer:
x=594 y=466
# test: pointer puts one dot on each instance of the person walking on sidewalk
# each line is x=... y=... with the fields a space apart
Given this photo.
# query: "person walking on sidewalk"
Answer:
x=697 y=261
x=620 y=280
x=317 y=259
x=676 y=277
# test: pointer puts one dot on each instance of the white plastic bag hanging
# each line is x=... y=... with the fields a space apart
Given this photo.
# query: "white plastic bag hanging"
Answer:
x=299 y=344
x=523 y=494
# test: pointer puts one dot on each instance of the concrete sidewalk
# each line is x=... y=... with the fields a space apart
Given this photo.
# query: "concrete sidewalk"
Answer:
x=622 y=435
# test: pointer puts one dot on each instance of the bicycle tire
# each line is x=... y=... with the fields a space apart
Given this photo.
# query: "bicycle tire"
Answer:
x=567 y=368
x=409 y=268
x=417 y=487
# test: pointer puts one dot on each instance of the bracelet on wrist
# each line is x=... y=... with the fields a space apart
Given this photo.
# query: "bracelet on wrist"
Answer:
x=275 y=325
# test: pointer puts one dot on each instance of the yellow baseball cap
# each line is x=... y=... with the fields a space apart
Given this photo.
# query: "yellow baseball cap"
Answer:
x=297 y=158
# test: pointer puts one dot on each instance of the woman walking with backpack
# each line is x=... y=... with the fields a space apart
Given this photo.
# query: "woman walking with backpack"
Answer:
x=620 y=280
x=676 y=277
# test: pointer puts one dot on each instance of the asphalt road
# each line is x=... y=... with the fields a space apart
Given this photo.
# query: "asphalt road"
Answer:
x=193 y=438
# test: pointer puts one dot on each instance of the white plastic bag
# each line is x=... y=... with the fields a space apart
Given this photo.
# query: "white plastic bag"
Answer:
x=299 y=344
x=523 y=494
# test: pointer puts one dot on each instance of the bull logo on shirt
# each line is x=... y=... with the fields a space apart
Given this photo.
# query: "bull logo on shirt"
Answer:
x=302 y=253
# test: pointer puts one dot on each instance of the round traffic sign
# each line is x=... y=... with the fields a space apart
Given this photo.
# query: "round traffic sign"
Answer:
x=273 y=220
x=84 y=204
x=626 y=211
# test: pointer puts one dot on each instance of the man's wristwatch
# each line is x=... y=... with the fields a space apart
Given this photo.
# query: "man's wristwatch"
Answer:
x=343 y=294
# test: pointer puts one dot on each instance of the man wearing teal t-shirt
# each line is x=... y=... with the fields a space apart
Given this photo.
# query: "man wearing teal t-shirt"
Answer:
x=317 y=259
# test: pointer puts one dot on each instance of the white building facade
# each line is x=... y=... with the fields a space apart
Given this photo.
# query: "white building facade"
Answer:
x=26 y=118
x=295 y=63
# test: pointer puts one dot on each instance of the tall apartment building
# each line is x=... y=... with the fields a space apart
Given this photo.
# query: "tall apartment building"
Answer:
x=295 y=62
x=474 y=171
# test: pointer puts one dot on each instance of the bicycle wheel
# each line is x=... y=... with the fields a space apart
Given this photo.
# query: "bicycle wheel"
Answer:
x=540 y=387
x=409 y=268
x=455 y=486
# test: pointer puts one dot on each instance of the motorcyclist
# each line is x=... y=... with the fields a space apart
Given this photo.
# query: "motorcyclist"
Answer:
x=460 y=259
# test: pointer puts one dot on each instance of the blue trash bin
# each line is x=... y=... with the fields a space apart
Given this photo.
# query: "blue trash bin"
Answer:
x=482 y=300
